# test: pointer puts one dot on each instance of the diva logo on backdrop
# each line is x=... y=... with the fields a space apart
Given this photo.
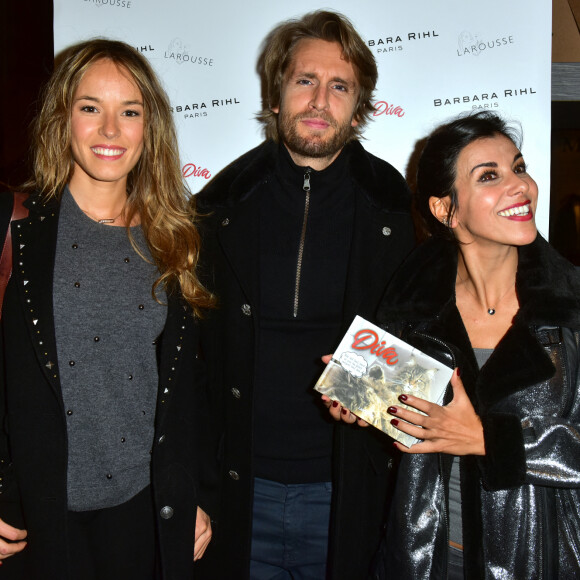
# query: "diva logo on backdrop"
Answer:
x=193 y=170
x=489 y=100
x=469 y=44
x=396 y=42
x=384 y=109
x=111 y=3
x=180 y=53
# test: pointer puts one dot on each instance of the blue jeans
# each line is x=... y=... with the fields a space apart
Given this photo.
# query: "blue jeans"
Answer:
x=290 y=530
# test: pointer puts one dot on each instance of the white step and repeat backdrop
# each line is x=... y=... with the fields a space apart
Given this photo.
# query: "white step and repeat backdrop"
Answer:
x=435 y=59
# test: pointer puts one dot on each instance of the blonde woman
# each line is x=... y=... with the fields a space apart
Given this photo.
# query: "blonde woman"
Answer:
x=103 y=401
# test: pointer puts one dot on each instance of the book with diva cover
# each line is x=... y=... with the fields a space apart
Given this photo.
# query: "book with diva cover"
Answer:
x=371 y=368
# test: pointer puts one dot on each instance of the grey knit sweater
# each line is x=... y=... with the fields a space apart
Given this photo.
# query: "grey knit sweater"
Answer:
x=106 y=325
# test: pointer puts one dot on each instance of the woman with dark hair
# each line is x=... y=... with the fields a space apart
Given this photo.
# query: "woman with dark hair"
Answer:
x=493 y=488
x=103 y=408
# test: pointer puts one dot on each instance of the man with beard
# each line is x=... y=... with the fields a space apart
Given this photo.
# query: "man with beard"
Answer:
x=302 y=233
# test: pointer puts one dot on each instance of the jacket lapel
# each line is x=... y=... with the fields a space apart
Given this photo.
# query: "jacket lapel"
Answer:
x=548 y=289
x=382 y=233
x=518 y=362
x=171 y=352
x=34 y=241
x=367 y=278
x=239 y=236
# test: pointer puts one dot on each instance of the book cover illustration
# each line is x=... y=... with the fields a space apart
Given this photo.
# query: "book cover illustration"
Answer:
x=371 y=368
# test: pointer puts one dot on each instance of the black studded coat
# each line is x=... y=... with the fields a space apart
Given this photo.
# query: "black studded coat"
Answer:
x=36 y=425
x=383 y=236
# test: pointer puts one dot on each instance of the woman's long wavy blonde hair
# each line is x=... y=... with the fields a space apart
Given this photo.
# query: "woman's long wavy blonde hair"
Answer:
x=156 y=191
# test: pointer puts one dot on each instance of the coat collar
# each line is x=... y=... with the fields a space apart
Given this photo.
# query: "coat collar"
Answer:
x=422 y=295
x=258 y=165
x=548 y=286
x=34 y=251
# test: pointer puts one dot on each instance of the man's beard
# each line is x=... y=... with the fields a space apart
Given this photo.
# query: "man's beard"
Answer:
x=313 y=145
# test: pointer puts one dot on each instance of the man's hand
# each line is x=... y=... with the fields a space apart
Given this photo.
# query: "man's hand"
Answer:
x=16 y=543
x=202 y=534
x=337 y=412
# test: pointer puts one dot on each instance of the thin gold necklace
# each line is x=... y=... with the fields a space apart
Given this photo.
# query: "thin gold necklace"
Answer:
x=490 y=309
x=104 y=220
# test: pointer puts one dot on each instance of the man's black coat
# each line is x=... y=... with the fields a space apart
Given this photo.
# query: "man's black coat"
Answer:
x=383 y=236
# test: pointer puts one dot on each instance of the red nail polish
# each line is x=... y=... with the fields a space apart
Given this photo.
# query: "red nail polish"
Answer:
x=394 y=422
x=344 y=411
x=458 y=372
x=392 y=410
x=335 y=404
x=402 y=398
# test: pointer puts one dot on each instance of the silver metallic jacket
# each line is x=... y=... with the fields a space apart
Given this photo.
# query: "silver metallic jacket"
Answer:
x=521 y=501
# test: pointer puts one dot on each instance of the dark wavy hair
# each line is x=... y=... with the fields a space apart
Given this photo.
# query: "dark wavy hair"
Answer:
x=278 y=50
x=437 y=166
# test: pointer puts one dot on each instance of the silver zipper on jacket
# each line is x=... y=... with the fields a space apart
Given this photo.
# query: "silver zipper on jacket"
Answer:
x=306 y=188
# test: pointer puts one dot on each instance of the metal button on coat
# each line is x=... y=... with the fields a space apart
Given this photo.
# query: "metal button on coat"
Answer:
x=386 y=231
x=234 y=475
x=226 y=222
x=236 y=393
x=162 y=439
x=247 y=309
x=166 y=512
